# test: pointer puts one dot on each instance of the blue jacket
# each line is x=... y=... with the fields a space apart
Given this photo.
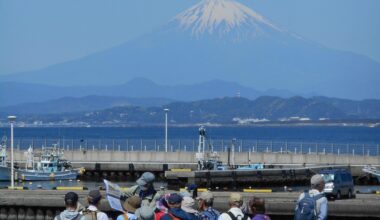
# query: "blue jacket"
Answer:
x=179 y=213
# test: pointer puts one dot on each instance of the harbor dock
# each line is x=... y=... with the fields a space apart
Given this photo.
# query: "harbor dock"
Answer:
x=180 y=168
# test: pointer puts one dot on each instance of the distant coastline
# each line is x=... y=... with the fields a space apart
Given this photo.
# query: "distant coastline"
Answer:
x=365 y=123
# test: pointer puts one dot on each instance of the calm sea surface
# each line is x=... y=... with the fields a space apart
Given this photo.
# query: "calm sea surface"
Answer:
x=329 y=134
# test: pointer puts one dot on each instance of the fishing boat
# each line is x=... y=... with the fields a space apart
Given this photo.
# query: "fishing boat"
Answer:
x=5 y=170
x=51 y=166
x=373 y=171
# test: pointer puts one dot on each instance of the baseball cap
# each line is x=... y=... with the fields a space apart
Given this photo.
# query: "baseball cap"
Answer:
x=174 y=198
x=145 y=178
x=316 y=179
x=206 y=196
x=235 y=197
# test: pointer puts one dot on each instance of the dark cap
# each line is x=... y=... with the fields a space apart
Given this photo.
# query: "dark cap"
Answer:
x=174 y=198
x=94 y=196
x=71 y=198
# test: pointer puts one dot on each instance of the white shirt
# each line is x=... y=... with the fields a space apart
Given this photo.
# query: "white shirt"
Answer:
x=99 y=215
x=235 y=211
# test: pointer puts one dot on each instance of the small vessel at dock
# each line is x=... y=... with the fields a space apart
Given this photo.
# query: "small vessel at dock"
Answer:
x=5 y=170
x=372 y=171
x=51 y=166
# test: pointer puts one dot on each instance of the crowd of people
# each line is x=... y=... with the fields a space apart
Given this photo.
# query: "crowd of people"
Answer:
x=143 y=202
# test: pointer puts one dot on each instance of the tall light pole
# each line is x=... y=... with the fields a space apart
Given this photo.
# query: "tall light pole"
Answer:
x=166 y=129
x=12 y=119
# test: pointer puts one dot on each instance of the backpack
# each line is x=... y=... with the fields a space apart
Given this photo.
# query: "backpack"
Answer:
x=90 y=215
x=306 y=208
x=209 y=215
x=233 y=217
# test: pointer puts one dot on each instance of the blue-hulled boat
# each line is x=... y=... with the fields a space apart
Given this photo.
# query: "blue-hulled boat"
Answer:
x=52 y=166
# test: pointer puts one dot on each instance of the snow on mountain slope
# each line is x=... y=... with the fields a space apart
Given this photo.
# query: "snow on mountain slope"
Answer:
x=208 y=15
x=222 y=39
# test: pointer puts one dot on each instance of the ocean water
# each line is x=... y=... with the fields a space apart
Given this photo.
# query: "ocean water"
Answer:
x=329 y=139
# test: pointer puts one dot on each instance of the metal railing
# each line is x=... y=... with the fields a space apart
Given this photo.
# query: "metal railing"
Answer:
x=191 y=145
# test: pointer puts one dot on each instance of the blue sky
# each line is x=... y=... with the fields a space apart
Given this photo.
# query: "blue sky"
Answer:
x=36 y=34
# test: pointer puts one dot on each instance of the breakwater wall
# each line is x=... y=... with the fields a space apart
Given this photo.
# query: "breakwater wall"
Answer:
x=122 y=164
x=116 y=160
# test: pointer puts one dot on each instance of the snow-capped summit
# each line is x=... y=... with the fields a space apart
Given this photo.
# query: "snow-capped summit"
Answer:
x=222 y=39
x=222 y=17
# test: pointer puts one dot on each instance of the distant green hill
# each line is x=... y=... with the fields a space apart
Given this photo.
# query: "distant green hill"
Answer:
x=224 y=111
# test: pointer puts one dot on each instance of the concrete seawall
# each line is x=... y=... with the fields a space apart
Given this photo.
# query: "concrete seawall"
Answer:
x=182 y=157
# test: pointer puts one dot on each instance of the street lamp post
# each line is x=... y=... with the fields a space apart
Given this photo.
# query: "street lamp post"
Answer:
x=12 y=119
x=166 y=129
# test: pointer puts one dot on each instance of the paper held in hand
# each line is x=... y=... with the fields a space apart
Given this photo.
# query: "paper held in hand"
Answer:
x=113 y=193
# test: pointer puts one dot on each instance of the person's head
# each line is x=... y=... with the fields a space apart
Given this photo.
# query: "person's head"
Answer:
x=187 y=205
x=94 y=197
x=235 y=200
x=257 y=205
x=132 y=203
x=206 y=199
x=174 y=200
x=145 y=213
x=162 y=204
x=317 y=182
x=71 y=200
x=146 y=181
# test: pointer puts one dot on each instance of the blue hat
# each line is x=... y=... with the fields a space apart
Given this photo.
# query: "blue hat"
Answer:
x=145 y=178
x=174 y=198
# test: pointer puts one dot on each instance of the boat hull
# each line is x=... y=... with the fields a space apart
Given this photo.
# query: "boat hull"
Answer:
x=5 y=173
x=29 y=175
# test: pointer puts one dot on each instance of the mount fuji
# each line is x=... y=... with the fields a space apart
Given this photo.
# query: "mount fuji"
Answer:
x=222 y=39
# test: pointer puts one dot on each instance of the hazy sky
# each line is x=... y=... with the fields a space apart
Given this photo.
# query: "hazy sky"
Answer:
x=39 y=33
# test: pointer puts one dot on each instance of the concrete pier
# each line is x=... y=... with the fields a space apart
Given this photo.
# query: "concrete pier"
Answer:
x=119 y=160
x=132 y=163
x=279 y=205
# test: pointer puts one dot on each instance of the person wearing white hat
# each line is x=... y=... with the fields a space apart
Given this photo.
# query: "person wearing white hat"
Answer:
x=313 y=200
x=187 y=205
x=235 y=212
x=205 y=203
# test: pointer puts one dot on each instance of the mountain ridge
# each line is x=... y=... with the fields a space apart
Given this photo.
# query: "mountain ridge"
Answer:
x=277 y=60
x=226 y=110
x=12 y=93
